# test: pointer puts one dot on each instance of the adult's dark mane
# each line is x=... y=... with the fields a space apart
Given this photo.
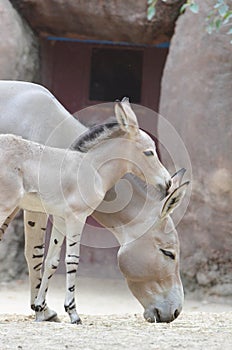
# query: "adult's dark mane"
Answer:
x=96 y=134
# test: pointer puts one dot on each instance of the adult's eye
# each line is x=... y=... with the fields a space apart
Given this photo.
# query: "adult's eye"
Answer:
x=149 y=153
x=168 y=253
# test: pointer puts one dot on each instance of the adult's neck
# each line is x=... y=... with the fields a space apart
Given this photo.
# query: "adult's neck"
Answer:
x=129 y=210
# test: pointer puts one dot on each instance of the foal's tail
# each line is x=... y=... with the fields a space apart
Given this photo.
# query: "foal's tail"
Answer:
x=7 y=222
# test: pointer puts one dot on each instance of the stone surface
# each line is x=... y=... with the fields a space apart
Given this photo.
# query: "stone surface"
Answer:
x=115 y=20
x=18 y=61
x=18 y=46
x=196 y=99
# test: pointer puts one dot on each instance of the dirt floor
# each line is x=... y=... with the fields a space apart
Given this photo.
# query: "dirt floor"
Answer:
x=112 y=319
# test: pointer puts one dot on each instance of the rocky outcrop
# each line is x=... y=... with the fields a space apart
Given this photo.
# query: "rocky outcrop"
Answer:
x=196 y=99
x=18 y=46
x=115 y=20
x=18 y=61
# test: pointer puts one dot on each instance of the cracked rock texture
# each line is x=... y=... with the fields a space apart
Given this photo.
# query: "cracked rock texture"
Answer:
x=115 y=20
x=18 y=46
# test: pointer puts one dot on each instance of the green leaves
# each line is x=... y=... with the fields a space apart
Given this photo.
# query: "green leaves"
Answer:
x=223 y=10
x=220 y=16
x=192 y=5
x=151 y=11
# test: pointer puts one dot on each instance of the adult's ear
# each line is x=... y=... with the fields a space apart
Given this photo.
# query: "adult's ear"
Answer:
x=126 y=117
x=173 y=200
x=177 y=178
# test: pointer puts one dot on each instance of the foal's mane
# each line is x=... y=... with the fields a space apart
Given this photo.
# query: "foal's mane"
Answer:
x=96 y=134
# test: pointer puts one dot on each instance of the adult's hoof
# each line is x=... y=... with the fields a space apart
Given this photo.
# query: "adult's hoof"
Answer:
x=46 y=315
x=54 y=318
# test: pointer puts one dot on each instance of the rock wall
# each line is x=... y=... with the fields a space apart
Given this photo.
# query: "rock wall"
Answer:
x=18 y=46
x=115 y=20
x=18 y=61
x=196 y=99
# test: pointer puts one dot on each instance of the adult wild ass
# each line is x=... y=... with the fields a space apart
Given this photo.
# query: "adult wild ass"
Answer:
x=149 y=249
x=70 y=184
x=31 y=111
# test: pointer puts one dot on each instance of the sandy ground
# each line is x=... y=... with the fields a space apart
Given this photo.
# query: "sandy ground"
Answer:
x=112 y=319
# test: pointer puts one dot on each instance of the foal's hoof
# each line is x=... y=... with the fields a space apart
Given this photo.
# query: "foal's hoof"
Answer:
x=76 y=321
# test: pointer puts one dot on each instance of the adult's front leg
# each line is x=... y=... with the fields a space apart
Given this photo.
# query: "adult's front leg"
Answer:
x=35 y=227
x=50 y=265
x=74 y=229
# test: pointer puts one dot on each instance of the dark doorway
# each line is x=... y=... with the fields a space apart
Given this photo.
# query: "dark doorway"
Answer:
x=115 y=74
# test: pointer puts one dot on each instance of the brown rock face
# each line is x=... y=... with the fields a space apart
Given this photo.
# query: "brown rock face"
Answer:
x=18 y=46
x=115 y=20
x=19 y=61
x=196 y=99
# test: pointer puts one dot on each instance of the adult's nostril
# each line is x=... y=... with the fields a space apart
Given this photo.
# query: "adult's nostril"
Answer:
x=176 y=313
x=158 y=316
